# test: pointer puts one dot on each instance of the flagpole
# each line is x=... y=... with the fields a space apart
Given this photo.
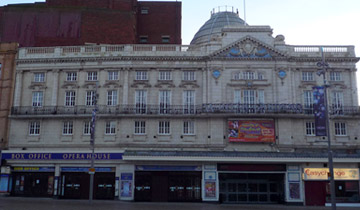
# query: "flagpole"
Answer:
x=244 y=12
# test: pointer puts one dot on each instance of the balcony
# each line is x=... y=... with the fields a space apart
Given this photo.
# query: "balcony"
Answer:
x=203 y=109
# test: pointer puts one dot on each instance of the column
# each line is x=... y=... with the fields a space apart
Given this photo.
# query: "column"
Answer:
x=18 y=87
x=126 y=87
x=55 y=78
x=56 y=181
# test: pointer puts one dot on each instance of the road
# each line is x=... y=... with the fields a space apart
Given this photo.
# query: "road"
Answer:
x=20 y=203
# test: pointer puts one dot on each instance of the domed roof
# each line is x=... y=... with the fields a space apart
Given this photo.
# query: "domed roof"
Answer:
x=214 y=25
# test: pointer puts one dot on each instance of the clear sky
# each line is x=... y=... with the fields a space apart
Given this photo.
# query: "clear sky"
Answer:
x=302 y=22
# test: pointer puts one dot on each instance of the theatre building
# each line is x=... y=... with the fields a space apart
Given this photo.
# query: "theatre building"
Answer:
x=228 y=118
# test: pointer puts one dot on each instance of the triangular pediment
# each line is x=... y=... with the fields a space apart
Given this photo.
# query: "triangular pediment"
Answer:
x=248 y=47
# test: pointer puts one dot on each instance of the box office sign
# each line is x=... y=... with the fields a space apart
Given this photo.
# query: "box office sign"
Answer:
x=251 y=131
x=323 y=174
x=61 y=156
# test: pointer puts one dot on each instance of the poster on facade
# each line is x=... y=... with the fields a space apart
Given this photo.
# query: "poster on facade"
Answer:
x=210 y=189
x=251 y=131
x=319 y=111
x=294 y=190
x=126 y=189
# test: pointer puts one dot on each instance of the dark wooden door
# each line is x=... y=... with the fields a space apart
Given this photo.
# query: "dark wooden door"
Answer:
x=315 y=193
x=159 y=187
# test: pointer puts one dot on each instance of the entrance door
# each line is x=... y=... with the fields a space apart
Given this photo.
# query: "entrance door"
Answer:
x=315 y=193
x=76 y=185
x=160 y=186
x=104 y=185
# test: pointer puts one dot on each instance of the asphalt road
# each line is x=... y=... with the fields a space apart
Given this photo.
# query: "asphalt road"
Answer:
x=20 y=203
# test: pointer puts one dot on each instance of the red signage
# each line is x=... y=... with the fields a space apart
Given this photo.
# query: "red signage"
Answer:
x=251 y=131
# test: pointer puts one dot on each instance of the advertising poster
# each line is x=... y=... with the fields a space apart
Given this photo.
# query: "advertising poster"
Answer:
x=126 y=189
x=251 y=131
x=4 y=182
x=210 y=189
x=319 y=111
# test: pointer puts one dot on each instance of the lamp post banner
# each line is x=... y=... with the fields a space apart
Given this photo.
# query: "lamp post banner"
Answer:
x=319 y=111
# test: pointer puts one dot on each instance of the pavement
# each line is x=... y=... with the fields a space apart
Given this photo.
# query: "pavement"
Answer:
x=21 y=203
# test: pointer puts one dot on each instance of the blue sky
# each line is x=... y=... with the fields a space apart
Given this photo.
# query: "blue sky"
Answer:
x=302 y=22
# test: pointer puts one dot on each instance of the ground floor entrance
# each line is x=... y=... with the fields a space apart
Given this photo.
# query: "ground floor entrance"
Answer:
x=164 y=186
x=75 y=185
x=36 y=184
x=251 y=188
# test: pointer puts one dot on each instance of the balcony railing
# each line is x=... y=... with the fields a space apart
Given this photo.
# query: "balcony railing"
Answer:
x=146 y=109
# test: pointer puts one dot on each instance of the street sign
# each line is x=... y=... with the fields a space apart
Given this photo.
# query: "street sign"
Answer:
x=91 y=170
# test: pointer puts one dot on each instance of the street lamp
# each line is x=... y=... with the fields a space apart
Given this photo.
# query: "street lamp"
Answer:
x=324 y=66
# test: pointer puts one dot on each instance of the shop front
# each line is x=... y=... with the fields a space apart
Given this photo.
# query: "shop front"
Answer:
x=255 y=183
x=168 y=183
x=32 y=181
x=317 y=187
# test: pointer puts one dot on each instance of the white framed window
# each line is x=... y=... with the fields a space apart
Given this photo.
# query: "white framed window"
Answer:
x=340 y=129
x=71 y=76
x=112 y=98
x=249 y=75
x=90 y=98
x=92 y=76
x=110 y=127
x=67 y=128
x=260 y=97
x=139 y=127
x=307 y=76
x=189 y=76
x=189 y=127
x=164 y=127
x=260 y=76
x=140 y=101
x=70 y=98
x=164 y=101
x=164 y=75
x=34 y=128
x=308 y=100
x=113 y=75
x=237 y=76
x=189 y=101
x=237 y=96
x=37 y=99
x=310 y=128
x=249 y=97
x=335 y=76
x=39 y=77
x=87 y=128
x=337 y=99
x=141 y=75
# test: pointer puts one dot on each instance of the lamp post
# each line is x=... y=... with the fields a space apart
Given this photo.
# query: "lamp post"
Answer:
x=324 y=66
x=92 y=145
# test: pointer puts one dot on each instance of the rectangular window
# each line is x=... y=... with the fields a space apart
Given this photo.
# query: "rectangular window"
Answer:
x=237 y=96
x=110 y=127
x=141 y=75
x=335 y=76
x=165 y=39
x=112 y=98
x=337 y=100
x=310 y=128
x=90 y=98
x=140 y=101
x=237 y=76
x=164 y=101
x=260 y=76
x=143 y=39
x=139 y=127
x=189 y=128
x=340 y=129
x=68 y=128
x=307 y=76
x=70 y=98
x=164 y=127
x=189 y=101
x=87 y=128
x=113 y=75
x=308 y=101
x=92 y=76
x=164 y=75
x=37 y=99
x=249 y=97
x=189 y=75
x=71 y=76
x=144 y=11
x=248 y=75
x=39 y=77
x=34 y=128
x=261 y=97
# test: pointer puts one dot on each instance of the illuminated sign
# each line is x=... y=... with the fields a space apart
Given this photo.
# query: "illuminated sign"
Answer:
x=251 y=131
x=61 y=156
x=339 y=174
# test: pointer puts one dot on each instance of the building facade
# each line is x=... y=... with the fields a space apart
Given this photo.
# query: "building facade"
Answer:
x=72 y=22
x=228 y=119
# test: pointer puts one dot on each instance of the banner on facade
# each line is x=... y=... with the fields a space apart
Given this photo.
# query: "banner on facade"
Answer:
x=319 y=111
x=251 y=131
x=323 y=174
x=60 y=156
